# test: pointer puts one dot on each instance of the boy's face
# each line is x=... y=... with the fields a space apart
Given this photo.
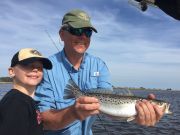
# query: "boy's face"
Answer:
x=27 y=75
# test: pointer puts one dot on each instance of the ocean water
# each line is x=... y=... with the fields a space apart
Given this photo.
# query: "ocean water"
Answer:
x=4 y=88
x=168 y=125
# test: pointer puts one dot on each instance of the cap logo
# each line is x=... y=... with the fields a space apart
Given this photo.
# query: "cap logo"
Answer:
x=83 y=16
x=35 y=52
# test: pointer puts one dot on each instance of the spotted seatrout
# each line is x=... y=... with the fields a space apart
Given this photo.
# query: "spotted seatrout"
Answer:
x=114 y=105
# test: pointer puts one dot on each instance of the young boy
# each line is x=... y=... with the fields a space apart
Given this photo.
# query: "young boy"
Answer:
x=18 y=113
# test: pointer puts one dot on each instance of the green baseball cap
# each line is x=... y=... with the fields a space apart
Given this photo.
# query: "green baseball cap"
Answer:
x=78 y=19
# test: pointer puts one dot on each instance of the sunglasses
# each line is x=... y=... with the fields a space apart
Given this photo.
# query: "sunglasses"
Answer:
x=79 y=31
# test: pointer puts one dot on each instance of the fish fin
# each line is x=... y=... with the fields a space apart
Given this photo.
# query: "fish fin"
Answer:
x=68 y=94
x=124 y=92
x=130 y=119
x=121 y=92
x=70 y=90
x=104 y=91
x=169 y=112
x=123 y=119
x=72 y=84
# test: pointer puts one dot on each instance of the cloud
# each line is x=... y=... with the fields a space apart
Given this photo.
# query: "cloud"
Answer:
x=142 y=47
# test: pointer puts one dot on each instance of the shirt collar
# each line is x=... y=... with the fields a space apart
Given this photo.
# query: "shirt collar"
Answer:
x=68 y=65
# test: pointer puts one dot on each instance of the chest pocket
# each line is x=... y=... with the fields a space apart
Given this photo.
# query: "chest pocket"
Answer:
x=93 y=80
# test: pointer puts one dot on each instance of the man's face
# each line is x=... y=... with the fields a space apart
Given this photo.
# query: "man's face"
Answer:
x=75 y=44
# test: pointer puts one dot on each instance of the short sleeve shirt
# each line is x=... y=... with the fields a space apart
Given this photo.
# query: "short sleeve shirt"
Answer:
x=18 y=115
x=93 y=73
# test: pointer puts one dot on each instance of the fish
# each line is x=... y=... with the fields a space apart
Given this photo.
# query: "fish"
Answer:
x=115 y=105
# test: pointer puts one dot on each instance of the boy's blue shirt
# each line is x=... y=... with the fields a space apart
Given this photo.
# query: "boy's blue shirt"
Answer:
x=93 y=73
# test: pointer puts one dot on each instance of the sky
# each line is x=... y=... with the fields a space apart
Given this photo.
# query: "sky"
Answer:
x=141 y=49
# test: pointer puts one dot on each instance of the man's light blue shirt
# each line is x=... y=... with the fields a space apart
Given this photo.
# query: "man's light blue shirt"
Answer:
x=93 y=73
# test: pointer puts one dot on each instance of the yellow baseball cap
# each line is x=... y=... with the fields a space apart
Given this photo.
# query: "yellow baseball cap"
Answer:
x=29 y=55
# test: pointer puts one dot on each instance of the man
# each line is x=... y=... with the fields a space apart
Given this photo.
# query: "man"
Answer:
x=170 y=7
x=67 y=116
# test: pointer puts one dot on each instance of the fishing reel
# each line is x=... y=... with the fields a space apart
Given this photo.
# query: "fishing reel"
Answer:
x=141 y=4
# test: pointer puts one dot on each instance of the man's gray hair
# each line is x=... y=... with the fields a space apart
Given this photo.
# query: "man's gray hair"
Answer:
x=64 y=26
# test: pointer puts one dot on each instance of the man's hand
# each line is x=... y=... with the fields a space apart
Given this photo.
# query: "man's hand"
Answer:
x=148 y=114
x=82 y=108
x=85 y=106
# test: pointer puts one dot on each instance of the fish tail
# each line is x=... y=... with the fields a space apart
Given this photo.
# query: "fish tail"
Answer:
x=71 y=90
x=167 y=111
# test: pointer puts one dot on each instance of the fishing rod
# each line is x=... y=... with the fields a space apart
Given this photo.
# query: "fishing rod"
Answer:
x=51 y=39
